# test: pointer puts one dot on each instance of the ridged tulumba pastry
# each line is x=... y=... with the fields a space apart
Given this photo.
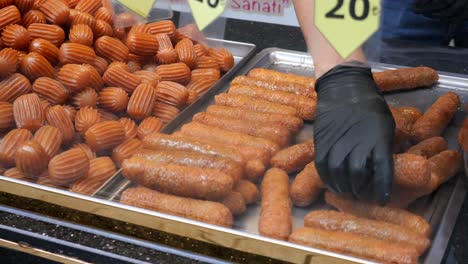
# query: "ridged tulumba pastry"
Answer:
x=114 y=99
x=28 y=112
x=50 y=138
x=51 y=90
x=46 y=49
x=141 y=101
x=105 y=135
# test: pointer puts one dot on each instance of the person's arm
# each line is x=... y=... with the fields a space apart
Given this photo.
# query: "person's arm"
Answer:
x=324 y=55
x=353 y=127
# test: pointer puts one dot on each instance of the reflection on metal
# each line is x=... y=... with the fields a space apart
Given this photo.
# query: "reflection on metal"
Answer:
x=23 y=247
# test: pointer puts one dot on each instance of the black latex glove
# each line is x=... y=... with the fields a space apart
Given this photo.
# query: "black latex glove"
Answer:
x=353 y=133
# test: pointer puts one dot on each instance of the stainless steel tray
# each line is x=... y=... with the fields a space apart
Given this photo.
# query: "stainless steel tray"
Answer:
x=241 y=52
x=440 y=209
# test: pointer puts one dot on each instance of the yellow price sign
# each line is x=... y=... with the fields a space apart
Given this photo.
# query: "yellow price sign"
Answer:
x=141 y=7
x=347 y=24
x=206 y=11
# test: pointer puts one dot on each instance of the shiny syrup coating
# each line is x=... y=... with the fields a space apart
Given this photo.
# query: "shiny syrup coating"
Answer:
x=105 y=135
x=46 y=49
x=119 y=77
x=86 y=118
x=51 y=90
x=89 y=152
x=52 y=33
x=50 y=138
x=114 y=99
x=78 y=17
x=165 y=112
x=172 y=93
x=13 y=87
x=81 y=34
x=86 y=98
x=56 y=11
x=129 y=126
x=9 y=62
x=9 y=15
x=68 y=166
x=111 y=48
x=175 y=72
x=126 y=150
x=58 y=117
x=148 y=77
x=142 y=44
x=75 y=77
x=148 y=126
x=76 y=53
x=141 y=102
x=31 y=159
x=201 y=85
x=10 y=144
x=34 y=66
x=7 y=120
x=88 y=6
x=33 y=16
x=186 y=52
x=28 y=112
x=104 y=14
x=102 y=28
x=16 y=36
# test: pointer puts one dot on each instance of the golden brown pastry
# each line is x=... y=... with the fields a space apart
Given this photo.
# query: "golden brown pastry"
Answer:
x=111 y=48
x=52 y=33
x=31 y=159
x=34 y=65
x=33 y=16
x=141 y=102
x=13 y=87
x=51 y=90
x=129 y=126
x=175 y=72
x=16 y=36
x=28 y=112
x=68 y=167
x=126 y=150
x=114 y=99
x=46 y=49
x=172 y=93
x=9 y=15
x=50 y=138
x=81 y=34
x=10 y=144
x=165 y=112
x=56 y=11
x=149 y=125
x=9 y=62
x=86 y=118
x=58 y=117
x=105 y=135
x=7 y=120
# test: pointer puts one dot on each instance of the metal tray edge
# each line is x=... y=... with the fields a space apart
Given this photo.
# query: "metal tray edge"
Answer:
x=216 y=235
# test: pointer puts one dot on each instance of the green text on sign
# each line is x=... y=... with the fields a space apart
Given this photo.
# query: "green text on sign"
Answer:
x=206 y=11
x=141 y=7
x=347 y=24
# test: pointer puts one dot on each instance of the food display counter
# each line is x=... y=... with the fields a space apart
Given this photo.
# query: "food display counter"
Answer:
x=110 y=201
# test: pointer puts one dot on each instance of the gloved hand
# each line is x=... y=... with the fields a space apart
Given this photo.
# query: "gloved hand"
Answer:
x=446 y=10
x=353 y=133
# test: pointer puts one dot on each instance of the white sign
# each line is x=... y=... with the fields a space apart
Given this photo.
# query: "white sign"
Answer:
x=268 y=11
